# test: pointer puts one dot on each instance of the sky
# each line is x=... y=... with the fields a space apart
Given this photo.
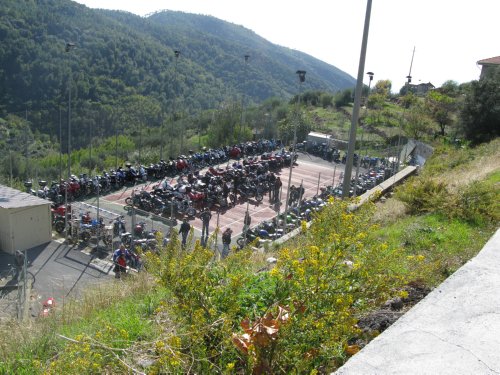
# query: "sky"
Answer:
x=449 y=36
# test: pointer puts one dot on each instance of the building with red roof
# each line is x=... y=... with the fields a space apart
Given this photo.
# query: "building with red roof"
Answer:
x=488 y=66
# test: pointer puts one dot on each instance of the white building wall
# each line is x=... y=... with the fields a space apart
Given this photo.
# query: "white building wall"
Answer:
x=25 y=227
x=5 y=232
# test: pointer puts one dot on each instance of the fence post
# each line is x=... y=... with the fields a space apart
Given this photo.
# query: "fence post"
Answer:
x=133 y=223
x=217 y=253
x=171 y=217
x=319 y=178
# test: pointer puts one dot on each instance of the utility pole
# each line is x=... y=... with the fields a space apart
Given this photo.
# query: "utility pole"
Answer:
x=243 y=102
x=370 y=74
x=357 y=100
x=302 y=78
x=69 y=47
x=398 y=149
x=176 y=54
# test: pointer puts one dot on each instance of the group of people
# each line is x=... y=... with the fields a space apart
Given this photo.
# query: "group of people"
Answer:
x=205 y=217
x=122 y=257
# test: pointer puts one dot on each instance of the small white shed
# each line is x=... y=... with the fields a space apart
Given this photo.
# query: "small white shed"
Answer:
x=315 y=138
x=25 y=220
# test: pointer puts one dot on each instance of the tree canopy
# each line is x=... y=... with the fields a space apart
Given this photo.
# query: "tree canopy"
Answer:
x=481 y=111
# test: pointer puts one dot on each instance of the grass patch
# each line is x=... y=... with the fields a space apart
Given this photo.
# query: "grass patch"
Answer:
x=445 y=244
x=106 y=316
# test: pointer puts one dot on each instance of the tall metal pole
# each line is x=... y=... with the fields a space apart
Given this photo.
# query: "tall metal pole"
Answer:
x=90 y=149
x=60 y=144
x=398 y=149
x=176 y=53
x=69 y=47
x=116 y=147
x=10 y=164
x=243 y=102
x=302 y=78
x=140 y=141
x=370 y=74
x=357 y=101
x=319 y=179
x=161 y=139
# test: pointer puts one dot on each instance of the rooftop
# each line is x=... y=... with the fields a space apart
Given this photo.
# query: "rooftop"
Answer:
x=490 y=61
x=13 y=198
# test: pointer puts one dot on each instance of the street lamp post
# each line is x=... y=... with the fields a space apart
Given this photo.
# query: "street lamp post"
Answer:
x=398 y=149
x=302 y=77
x=243 y=102
x=370 y=74
x=116 y=146
x=177 y=54
x=68 y=48
x=60 y=145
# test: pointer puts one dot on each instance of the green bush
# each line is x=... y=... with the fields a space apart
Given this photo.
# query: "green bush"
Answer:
x=422 y=195
x=477 y=203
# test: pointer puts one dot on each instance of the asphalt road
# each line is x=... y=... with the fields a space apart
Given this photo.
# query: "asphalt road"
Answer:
x=60 y=271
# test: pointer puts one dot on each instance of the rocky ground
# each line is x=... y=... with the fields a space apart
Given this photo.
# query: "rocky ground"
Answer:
x=379 y=320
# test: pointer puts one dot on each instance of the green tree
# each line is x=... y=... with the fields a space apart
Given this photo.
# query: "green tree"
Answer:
x=286 y=127
x=224 y=130
x=343 y=98
x=383 y=88
x=440 y=107
x=450 y=88
x=417 y=123
x=480 y=115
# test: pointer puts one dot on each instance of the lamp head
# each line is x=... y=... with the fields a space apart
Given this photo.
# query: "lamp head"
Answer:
x=302 y=75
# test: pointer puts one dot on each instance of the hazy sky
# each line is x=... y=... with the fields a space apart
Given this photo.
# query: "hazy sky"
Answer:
x=449 y=36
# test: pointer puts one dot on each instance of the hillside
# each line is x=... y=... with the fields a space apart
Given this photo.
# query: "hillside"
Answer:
x=121 y=58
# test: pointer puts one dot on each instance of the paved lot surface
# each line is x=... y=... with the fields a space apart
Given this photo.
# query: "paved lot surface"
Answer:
x=60 y=271
x=312 y=172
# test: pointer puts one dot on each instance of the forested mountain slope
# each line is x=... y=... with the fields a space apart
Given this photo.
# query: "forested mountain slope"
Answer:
x=121 y=58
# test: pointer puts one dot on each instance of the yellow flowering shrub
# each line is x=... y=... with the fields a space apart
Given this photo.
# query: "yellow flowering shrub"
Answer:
x=324 y=284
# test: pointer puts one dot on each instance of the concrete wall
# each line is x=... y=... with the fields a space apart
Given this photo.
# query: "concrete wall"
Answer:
x=5 y=232
x=25 y=227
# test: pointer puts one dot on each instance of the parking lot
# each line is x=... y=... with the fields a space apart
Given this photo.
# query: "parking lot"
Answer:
x=312 y=172
x=62 y=269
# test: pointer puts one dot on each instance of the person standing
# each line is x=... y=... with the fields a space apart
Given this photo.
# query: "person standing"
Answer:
x=205 y=217
x=277 y=188
x=246 y=222
x=226 y=241
x=184 y=231
x=120 y=266
x=271 y=179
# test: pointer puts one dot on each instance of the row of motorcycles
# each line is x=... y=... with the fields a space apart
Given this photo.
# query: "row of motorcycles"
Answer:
x=86 y=229
x=304 y=209
x=361 y=184
x=216 y=188
x=83 y=186
x=271 y=230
